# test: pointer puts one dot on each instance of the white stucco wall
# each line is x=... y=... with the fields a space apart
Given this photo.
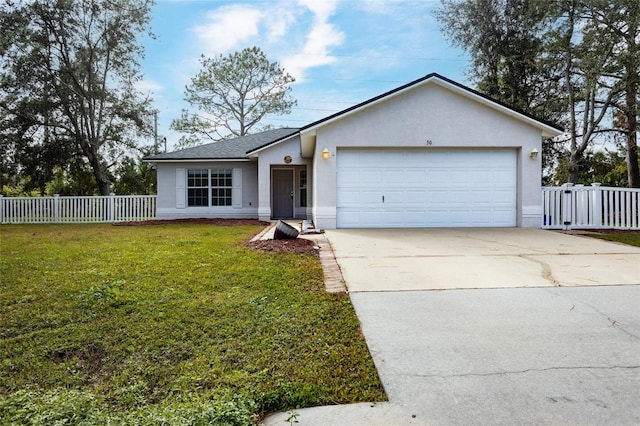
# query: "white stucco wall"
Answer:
x=428 y=113
x=167 y=203
x=273 y=157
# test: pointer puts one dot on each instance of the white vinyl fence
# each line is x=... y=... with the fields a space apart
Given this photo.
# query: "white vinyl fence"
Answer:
x=590 y=207
x=59 y=209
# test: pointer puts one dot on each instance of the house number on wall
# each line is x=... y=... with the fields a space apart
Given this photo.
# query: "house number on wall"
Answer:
x=429 y=142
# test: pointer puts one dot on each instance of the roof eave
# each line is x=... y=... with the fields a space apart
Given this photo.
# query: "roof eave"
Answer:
x=194 y=160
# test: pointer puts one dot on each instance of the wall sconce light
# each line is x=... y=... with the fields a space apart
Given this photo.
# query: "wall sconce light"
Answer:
x=325 y=154
x=533 y=154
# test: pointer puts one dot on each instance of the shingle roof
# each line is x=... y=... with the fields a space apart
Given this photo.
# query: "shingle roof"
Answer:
x=228 y=149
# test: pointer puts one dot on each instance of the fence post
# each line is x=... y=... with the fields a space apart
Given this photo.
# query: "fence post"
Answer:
x=1 y=209
x=567 y=206
x=597 y=204
x=56 y=209
x=112 y=207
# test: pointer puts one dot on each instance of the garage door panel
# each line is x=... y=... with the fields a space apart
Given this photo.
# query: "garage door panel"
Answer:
x=394 y=176
x=352 y=178
x=370 y=177
x=436 y=177
x=368 y=197
x=415 y=198
x=502 y=198
x=416 y=177
x=426 y=188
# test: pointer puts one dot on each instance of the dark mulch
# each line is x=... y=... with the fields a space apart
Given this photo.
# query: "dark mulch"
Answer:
x=206 y=221
x=298 y=245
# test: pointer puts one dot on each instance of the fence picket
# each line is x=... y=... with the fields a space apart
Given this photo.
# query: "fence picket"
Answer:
x=590 y=207
x=62 y=209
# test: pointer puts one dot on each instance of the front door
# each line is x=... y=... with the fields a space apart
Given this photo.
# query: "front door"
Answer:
x=282 y=193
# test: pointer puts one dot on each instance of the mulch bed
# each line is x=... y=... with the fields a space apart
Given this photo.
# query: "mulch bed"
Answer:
x=298 y=245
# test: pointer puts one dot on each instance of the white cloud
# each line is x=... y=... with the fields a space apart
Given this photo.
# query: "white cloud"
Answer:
x=300 y=31
x=278 y=22
x=322 y=36
x=323 y=9
x=227 y=27
x=149 y=86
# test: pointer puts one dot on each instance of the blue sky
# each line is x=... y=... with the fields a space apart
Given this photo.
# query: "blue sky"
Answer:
x=340 y=52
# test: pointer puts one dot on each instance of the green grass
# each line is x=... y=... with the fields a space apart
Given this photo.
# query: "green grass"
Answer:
x=631 y=238
x=175 y=322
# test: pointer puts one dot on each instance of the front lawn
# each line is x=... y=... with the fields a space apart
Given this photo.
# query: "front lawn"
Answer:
x=626 y=237
x=168 y=324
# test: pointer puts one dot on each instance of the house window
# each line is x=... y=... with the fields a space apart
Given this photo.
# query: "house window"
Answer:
x=221 y=187
x=209 y=187
x=303 y=188
x=198 y=188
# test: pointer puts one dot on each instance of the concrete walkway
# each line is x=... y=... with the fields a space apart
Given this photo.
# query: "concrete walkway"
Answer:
x=565 y=352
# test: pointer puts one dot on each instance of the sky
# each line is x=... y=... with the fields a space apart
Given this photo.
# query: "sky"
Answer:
x=340 y=52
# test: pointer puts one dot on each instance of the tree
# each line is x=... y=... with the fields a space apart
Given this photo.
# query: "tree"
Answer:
x=570 y=61
x=605 y=167
x=581 y=65
x=234 y=94
x=503 y=38
x=135 y=177
x=618 y=24
x=67 y=80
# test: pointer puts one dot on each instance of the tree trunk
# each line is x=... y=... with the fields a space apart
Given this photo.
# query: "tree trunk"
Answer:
x=99 y=173
x=631 y=134
x=574 y=166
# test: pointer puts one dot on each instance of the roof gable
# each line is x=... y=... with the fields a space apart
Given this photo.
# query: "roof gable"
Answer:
x=549 y=129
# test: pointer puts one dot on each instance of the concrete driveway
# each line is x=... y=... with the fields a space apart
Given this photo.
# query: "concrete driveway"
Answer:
x=532 y=327
x=436 y=259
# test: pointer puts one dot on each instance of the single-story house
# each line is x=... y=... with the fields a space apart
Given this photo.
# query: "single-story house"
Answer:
x=431 y=153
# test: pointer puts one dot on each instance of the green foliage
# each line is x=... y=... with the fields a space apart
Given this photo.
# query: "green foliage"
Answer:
x=234 y=94
x=503 y=38
x=572 y=62
x=60 y=406
x=68 y=75
x=79 y=181
x=12 y=187
x=607 y=168
x=169 y=324
x=135 y=177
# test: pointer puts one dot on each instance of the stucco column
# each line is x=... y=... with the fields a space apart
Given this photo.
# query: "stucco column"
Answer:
x=264 y=190
x=530 y=187
x=324 y=193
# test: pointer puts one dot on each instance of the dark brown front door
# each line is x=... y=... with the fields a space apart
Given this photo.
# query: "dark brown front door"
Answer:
x=282 y=193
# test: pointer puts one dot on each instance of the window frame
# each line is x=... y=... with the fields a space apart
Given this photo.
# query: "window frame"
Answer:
x=218 y=195
x=302 y=185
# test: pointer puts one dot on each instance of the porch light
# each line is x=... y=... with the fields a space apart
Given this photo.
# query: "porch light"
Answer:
x=533 y=154
x=325 y=154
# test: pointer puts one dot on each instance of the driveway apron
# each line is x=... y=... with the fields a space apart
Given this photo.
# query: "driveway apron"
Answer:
x=440 y=259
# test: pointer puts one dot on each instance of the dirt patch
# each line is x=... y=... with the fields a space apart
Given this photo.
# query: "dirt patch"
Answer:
x=204 y=221
x=298 y=245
